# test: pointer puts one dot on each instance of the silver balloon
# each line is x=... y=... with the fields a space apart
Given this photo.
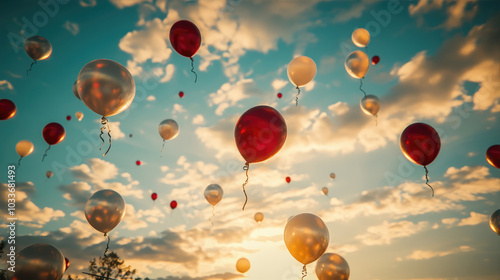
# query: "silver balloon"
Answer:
x=168 y=129
x=38 y=262
x=332 y=267
x=214 y=194
x=370 y=105
x=75 y=90
x=495 y=222
x=357 y=64
x=106 y=87
x=325 y=190
x=38 y=47
x=105 y=210
x=49 y=174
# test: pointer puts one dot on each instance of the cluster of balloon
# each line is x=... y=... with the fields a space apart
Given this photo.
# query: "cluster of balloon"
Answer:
x=79 y=116
x=107 y=88
x=38 y=48
x=168 y=129
x=213 y=194
x=38 y=262
x=75 y=90
x=420 y=144
x=138 y=162
x=173 y=204
x=258 y=217
x=259 y=134
x=243 y=265
x=24 y=148
x=493 y=156
x=49 y=174
x=357 y=64
x=154 y=196
x=495 y=221
x=301 y=70
x=7 y=109
x=332 y=267
x=68 y=117
x=181 y=94
x=53 y=133
x=324 y=190
x=288 y=179
x=185 y=38
x=306 y=238
x=104 y=210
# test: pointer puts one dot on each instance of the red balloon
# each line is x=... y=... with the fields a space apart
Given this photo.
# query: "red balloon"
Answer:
x=280 y=95
x=493 y=156
x=66 y=262
x=288 y=179
x=260 y=133
x=173 y=204
x=185 y=38
x=375 y=59
x=53 y=133
x=138 y=162
x=420 y=143
x=181 y=94
x=68 y=118
x=154 y=196
x=130 y=135
x=7 y=109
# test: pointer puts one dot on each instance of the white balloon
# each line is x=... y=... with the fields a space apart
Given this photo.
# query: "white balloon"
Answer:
x=79 y=116
x=301 y=70
x=360 y=37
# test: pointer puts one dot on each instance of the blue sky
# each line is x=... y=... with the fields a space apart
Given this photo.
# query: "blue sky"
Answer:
x=440 y=64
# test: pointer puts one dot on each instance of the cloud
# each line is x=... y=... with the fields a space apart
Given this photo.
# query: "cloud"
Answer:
x=278 y=84
x=88 y=3
x=120 y=4
x=223 y=276
x=116 y=132
x=345 y=15
x=151 y=98
x=339 y=108
x=169 y=73
x=198 y=119
x=425 y=255
x=231 y=93
x=386 y=232
x=457 y=11
x=4 y=85
x=72 y=27
x=474 y=219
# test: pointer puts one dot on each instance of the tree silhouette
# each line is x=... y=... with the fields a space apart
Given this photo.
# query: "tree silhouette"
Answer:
x=110 y=266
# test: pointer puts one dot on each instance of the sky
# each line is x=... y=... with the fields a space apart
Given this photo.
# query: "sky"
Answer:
x=439 y=64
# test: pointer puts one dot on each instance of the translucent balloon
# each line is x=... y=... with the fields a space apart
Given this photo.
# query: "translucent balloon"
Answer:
x=325 y=190
x=357 y=64
x=332 y=267
x=38 y=262
x=243 y=265
x=370 y=105
x=24 y=148
x=306 y=237
x=105 y=210
x=301 y=70
x=168 y=129
x=7 y=109
x=495 y=222
x=75 y=90
x=38 y=48
x=79 y=116
x=106 y=87
x=214 y=194
x=259 y=217
x=49 y=174
x=332 y=175
x=360 y=37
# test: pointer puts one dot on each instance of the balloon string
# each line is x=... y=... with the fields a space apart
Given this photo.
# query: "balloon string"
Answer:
x=427 y=180
x=19 y=161
x=107 y=245
x=105 y=124
x=304 y=272
x=192 y=70
x=376 y=120
x=246 y=167
x=213 y=214
x=162 y=146
x=31 y=66
x=45 y=154
x=361 y=86
x=297 y=96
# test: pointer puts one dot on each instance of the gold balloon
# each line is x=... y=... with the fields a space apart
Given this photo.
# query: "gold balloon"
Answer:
x=75 y=90
x=370 y=105
x=79 y=116
x=332 y=175
x=49 y=174
x=357 y=64
x=259 y=217
x=242 y=265
x=495 y=221
x=360 y=37
x=38 y=47
x=38 y=262
x=24 y=148
x=301 y=70
x=306 y=237
x=105 y=210
x=332 y=267
x=325 y=190
x=106 y=87
x=214 y=194
x=168 y=129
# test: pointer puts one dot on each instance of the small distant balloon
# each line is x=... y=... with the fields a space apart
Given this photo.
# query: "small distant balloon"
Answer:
x=173 y=204
x=332 y=175
x=24 y=148
x=258 y=217
x=360 y=37
x=288 y=179
x=493 y=156
x=495 y=221
x=138 y=162
x=75 y=91
x=243 y=265
x=375 y=59
x=7 y=109
x=181 y=94
x=68 y=117
x=213 y=194
x=38 y=48
x=325 y=190
x=49 y=174
x=280 y=95
x=130 y=135
x=154 y=196
x=79 y=116
x=370 y=105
